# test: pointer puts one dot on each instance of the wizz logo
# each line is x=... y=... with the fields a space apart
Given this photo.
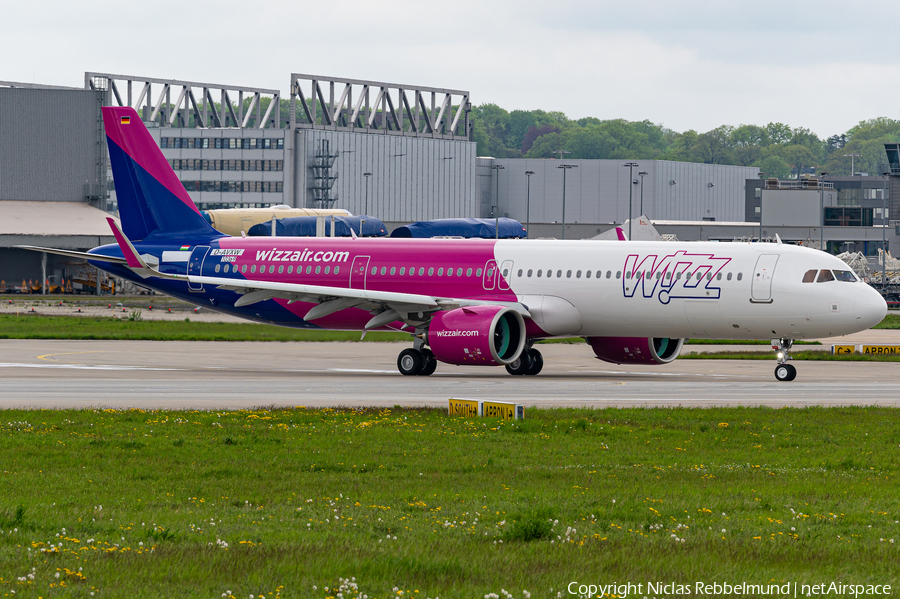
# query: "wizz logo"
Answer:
x=678 y=275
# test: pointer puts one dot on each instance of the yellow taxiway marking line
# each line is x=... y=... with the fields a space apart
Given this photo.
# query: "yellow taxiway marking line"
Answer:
x=49 y=357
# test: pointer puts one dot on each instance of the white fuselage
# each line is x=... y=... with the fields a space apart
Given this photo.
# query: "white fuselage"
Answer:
x=744 y=290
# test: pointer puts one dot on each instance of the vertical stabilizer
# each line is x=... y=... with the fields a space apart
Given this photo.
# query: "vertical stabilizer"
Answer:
x=152 y=200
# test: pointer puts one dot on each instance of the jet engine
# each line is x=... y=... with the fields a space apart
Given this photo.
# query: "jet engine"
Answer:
x=477 y=335
x=636 y=350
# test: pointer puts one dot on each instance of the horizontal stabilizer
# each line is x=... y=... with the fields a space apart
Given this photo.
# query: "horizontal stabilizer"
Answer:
x=73 y=254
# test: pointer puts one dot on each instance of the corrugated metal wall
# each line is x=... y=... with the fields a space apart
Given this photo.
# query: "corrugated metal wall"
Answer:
x=597 y=191
x=412 y=178
x=49 y=144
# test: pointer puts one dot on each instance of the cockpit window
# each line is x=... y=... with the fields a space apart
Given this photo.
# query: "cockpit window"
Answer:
x=845 y=275
x=825 y=276
x=810 y=276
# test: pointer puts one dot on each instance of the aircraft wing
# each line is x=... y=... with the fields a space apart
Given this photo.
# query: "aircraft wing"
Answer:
x=332 y=299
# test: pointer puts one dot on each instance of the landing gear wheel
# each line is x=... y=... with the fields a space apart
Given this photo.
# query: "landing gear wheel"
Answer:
x=429 y=363
x=521 y=365
x=410 y=362
x=785 y=372
x=537 y=362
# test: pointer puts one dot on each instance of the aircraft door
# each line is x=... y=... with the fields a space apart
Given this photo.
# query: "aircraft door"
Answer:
x=490 y=275
x=506 y=270
x=195 y=265
x=358 y=272
x=761 y=288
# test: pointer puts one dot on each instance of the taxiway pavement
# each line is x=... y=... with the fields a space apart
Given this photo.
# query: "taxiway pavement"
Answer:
x=39 y=374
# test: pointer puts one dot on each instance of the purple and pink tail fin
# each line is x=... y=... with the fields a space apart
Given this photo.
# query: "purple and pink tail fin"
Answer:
x=152 y=201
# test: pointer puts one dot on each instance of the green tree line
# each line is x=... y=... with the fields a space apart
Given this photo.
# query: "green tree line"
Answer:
x=776 y=148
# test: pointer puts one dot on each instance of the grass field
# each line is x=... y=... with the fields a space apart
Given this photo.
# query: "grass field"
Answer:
x=411 y=503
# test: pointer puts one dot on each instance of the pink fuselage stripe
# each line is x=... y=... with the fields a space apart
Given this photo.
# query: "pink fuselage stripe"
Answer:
x=136 y=142
x=302 y=253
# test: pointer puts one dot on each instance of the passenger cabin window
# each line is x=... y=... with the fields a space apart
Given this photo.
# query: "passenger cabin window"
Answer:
x=740 y=276
x=810 y=276
x=825 y=276
x=729 y=276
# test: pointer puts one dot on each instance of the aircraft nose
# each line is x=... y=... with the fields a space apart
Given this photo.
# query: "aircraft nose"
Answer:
x=869 y=307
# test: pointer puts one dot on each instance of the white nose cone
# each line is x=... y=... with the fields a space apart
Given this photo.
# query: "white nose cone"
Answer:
x=869 y=308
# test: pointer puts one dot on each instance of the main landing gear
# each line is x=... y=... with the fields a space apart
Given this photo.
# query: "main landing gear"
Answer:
x=413 y=362
x=783 y=371
x=529 y=363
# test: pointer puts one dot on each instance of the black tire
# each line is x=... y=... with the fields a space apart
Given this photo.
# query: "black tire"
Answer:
x=409 y=362
x=793 y=372
x=521 y=365
x=785 y=372
x=537 y=362
x=429 y=363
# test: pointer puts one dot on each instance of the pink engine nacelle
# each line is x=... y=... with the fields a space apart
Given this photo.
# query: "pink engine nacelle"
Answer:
x=636 y=350
x=477 y=335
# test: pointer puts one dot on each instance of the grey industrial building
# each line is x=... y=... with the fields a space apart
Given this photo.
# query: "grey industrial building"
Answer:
x=398 y=152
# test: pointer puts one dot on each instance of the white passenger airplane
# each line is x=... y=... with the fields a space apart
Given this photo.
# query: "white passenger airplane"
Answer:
x=476 y=302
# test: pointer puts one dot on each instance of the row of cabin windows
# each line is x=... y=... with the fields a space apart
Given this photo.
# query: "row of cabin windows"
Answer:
x=628 y=275
x=824 y=276
x=412 y=271
x=262 y=269
x=468 y=272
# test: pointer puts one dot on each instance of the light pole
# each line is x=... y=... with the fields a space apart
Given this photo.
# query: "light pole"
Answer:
x=565 y=167
x=528 y=205
x=641 y=175
x=630 y=166
x=852 y=156
x=366 y=209
x=821 y=211
x=884 y=224
x=498 y=168
x=561 y=153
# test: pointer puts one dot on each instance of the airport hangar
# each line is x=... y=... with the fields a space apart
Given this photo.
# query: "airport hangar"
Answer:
x=399 y=152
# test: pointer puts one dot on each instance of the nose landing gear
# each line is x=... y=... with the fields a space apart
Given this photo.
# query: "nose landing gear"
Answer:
x=783 y=371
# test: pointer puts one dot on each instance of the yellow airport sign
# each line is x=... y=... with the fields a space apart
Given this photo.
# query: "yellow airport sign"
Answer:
x=842 y=350
x=881 y=349
x=503 y=409
x=470 y=408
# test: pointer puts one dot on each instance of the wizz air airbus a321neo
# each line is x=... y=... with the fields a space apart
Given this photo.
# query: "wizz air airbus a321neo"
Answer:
x=475 y=302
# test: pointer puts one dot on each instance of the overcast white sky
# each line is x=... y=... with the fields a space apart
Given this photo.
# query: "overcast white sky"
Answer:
x=686 y=64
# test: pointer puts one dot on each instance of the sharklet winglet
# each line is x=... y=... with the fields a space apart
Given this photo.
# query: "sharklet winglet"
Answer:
x=133 y=258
